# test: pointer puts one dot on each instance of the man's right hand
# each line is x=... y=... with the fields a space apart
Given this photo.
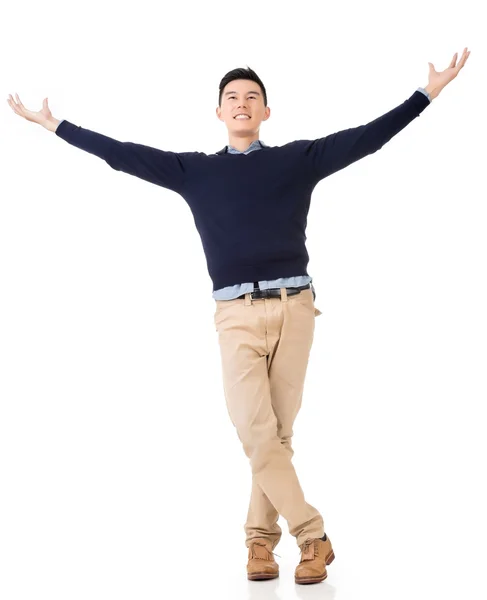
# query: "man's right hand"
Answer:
x=43 y=117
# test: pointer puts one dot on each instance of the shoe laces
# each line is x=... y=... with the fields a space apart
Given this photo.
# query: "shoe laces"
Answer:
x=264 y=546
x=305 y=546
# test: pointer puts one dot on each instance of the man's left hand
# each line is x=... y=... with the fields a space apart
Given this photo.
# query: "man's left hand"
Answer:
x=438 y=80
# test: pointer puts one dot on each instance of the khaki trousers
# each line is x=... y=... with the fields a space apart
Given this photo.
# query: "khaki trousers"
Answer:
x=264 y=346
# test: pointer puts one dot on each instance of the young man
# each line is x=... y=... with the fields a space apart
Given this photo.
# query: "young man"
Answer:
x=250 y=203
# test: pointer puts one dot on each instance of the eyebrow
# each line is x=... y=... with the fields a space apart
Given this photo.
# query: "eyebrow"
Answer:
x=254 y=92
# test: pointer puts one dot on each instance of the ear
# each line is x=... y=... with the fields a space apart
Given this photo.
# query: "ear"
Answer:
x=219 y=112
x=267 y=113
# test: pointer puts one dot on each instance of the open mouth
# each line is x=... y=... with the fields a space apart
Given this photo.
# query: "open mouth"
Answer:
x=242 y=118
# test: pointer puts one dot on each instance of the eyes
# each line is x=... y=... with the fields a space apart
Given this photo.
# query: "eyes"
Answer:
x=254 y=97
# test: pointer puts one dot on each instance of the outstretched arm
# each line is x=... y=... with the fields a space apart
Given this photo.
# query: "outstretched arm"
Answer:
x=161 y=167
x=338 y=150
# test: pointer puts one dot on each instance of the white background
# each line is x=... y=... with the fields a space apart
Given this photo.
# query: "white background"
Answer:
x=121 y=474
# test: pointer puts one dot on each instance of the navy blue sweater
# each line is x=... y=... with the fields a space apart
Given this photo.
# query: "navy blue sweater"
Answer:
x=250 y=209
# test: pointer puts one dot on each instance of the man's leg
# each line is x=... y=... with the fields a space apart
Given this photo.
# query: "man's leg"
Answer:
x=287 y=365
x=262 y=517
x=249 y=334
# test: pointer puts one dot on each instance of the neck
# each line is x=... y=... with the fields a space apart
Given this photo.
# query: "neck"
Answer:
x=241 y=143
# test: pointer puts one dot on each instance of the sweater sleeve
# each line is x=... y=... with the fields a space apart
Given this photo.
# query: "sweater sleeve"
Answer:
x=338 y=150
x=164 y=168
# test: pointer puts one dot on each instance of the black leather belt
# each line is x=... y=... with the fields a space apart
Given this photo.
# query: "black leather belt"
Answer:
x=275 y=292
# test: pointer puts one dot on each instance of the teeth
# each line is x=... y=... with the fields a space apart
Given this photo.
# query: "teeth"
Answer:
x=242 y=117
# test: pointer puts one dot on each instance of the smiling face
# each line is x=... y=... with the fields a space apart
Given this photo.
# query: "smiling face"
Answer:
x=243 y=97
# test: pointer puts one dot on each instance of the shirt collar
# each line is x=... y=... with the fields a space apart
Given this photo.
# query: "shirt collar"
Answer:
x=254 y=145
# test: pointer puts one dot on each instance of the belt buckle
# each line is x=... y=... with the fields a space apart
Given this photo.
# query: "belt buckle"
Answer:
x=260 y=294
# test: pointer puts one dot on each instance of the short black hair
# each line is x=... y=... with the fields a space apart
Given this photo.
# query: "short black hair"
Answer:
x=247 y=73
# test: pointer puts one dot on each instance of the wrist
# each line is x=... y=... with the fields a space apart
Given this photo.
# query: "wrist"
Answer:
x=51 y=124
x=432 y=91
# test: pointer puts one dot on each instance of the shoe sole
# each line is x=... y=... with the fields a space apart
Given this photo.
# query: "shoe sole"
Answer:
x=257 y=576
x=318 y=578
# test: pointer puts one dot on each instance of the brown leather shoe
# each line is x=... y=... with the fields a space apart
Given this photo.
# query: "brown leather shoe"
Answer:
x=315 y=555
x=261 y=563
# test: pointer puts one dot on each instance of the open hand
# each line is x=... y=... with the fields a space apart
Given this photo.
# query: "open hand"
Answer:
x=438 y=80
x=40 y=117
